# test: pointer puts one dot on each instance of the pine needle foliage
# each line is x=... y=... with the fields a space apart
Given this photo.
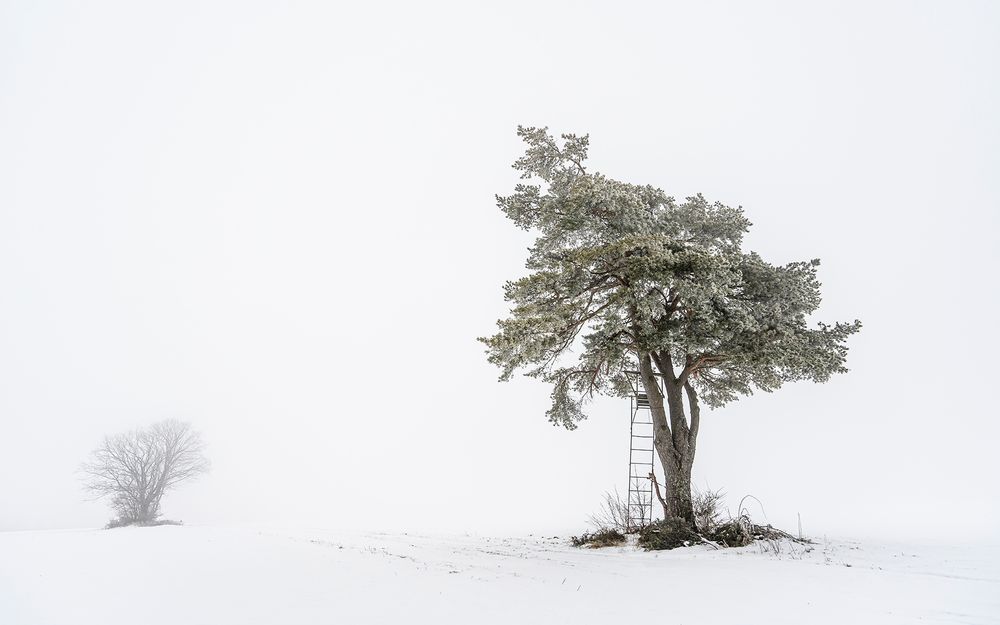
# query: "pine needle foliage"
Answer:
x=620 y=271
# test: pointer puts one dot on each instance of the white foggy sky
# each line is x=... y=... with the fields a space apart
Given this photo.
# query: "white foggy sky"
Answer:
x=276 y=221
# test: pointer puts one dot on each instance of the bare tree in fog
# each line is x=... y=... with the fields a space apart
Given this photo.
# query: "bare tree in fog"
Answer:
x=135 y=469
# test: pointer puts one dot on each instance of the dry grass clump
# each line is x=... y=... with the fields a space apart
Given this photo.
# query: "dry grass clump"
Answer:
x=707 y=506
x=613 y=514
x=742 y=531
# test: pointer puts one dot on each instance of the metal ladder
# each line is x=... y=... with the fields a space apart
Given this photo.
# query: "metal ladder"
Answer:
x=641 y=455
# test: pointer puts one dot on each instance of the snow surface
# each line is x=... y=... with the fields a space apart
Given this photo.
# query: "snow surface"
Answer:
x=195 y=575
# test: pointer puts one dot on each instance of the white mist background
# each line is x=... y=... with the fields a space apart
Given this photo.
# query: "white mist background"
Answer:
x=276 y=221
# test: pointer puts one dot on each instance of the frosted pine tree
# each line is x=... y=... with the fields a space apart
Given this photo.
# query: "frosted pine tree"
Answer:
x=623 y=277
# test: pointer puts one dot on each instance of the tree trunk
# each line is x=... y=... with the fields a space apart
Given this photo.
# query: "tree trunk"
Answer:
x=673 y=439
x=677 y=469
x=677 y=457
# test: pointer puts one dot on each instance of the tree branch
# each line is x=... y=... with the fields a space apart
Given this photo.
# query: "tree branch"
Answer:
x=695 y=410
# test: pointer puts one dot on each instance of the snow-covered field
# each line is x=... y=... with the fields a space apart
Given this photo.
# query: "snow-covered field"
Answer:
x=209 y=575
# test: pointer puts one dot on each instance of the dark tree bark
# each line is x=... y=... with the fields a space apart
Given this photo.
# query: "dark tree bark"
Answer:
x=673 y=437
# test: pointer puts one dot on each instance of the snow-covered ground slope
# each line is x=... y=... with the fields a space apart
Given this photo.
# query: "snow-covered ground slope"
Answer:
x=216 y=576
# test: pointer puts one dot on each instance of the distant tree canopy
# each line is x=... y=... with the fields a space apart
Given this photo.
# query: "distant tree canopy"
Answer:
x=135 y=469
x=625 y=278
